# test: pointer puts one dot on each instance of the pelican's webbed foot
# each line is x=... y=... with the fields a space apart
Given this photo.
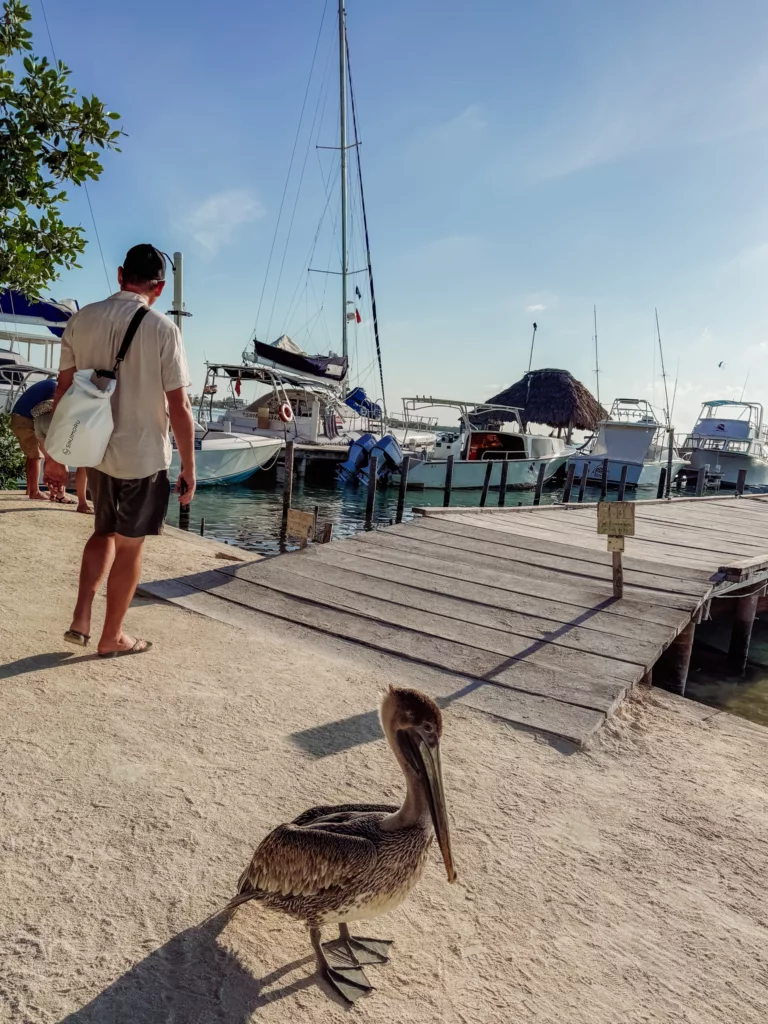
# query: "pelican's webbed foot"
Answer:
x=342 y=971
x=364 y=950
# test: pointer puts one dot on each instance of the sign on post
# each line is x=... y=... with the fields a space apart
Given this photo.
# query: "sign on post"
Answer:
x=616 y=520
x=300 y=526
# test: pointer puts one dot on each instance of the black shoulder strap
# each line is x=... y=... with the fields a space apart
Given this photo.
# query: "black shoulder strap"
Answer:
x=133 y=326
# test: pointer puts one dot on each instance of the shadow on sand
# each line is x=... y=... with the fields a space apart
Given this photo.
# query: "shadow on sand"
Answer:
x=192 y=979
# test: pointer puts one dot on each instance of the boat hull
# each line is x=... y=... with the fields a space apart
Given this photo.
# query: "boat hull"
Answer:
x=730 y=463
x=646 y=474
x=228 y=459
x=522 y=474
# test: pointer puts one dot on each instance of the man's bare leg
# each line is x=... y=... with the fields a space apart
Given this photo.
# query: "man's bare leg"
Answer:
x=32 y=470
x=97 y=558
x=121 y=586
x=81 y=484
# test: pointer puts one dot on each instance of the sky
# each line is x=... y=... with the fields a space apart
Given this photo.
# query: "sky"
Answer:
x=522 y=162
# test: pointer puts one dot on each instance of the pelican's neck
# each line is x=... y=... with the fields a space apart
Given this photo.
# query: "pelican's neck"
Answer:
x=415 y=807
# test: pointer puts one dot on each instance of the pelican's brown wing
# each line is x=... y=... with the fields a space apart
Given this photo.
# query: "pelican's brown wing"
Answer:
x=297 y=860
x=341 y=812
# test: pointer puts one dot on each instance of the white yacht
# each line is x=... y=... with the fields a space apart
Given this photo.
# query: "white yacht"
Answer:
x=631 y=436
x=474 y=446
x=730 y=436
x=222 y=457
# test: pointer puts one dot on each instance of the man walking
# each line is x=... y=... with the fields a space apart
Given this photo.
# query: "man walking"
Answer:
x=130 y=488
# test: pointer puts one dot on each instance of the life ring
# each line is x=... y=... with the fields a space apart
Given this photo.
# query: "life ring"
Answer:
x=285 y=412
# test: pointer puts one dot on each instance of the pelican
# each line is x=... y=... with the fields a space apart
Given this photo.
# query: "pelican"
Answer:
x=335 y=865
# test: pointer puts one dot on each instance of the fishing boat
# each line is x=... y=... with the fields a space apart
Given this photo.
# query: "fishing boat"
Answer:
x=222 y=457
x=729 y=437
x=500 y=440
x=631 y=436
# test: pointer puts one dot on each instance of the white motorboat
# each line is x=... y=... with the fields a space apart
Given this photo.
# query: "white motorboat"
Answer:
x=222 y=457
x=475 y=446
x=729 y=437
x=631 y=436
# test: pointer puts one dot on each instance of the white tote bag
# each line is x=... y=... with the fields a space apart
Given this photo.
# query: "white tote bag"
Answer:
x=82 y=423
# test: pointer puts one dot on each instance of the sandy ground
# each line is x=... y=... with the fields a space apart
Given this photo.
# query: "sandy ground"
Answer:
x=623 y=884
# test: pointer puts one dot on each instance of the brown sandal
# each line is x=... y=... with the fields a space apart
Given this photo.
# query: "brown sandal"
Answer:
x=131 y=650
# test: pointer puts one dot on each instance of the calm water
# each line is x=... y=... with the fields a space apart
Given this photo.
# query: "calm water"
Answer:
x=249 y=516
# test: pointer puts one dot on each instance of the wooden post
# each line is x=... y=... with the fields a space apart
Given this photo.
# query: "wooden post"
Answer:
x=448 y=481
x=287 y=492
x=202 y=527
x=486 y=483
x=184 y=517
x=701 y=480
x=741 y=481
x=539 y=484
x=583 y=482
x=569 y=483
x=622 y=482
x=662 y=482
x=404 y=467
x=604 y=481
x=373 y=470
x=327 y=535
x=618 y=575
x=741 y=631
x=503 y=484
x=671 y=672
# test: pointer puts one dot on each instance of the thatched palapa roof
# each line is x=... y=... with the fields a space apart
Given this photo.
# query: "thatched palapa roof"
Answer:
x=553 y=397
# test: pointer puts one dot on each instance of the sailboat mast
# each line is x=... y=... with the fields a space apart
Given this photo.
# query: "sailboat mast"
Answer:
x=597 y=361
x=343 y=144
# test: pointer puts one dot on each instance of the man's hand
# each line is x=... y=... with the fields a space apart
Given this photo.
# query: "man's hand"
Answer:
x=55 y=476
x=185 y=486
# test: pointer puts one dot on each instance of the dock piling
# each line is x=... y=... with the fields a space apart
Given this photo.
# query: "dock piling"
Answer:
x=662 y=482
x=486 y=483
x=539 y=484
x=448 y=481
x=741 y=631
x=405 y=465
x=184 y=517
x=622 y=483
x=583 y=482
x=701 y=480
x=202 y=527
x=741 y=481
x=604 y=481
x=569 y=483
x=287 y=492
x=373 y=470
x=672 y=674
x=503 y=484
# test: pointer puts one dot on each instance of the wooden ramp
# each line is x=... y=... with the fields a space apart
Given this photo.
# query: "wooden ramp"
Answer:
x=515 y=606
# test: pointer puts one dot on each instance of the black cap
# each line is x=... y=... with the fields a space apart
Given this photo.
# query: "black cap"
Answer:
x=144 y=263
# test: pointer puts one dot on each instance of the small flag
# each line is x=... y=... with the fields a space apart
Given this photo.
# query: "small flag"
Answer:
x=357 y=316
x=237 y=387
x=357 y=292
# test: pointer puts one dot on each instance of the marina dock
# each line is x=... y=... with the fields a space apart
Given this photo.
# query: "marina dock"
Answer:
x=513 y=609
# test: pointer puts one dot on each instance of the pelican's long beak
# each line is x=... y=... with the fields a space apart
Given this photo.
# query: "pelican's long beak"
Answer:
x=433 y=785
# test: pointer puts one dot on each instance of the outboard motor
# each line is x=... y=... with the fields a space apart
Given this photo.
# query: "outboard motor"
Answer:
x=358 y=457
x=390 y=457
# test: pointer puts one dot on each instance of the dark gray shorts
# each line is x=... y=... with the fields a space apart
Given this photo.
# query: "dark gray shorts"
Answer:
x=132 y=508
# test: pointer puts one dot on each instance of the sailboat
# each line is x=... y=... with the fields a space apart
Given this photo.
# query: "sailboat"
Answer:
x=309 y=398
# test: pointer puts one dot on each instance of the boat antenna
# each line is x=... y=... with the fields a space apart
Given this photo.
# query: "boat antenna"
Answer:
x=530 y=357
x=597 y=361
x=365 y=232
x=663 y=373
x=343 y=162
x=674 y=390
x=746 y=380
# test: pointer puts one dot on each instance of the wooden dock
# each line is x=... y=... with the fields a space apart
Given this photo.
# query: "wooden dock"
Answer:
x=512 y=607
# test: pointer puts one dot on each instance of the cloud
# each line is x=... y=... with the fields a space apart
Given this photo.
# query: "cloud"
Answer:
x=753 y=258
x=537 y=307
x=215 y=221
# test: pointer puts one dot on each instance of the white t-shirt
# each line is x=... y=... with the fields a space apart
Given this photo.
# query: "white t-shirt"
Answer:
x=155 y=363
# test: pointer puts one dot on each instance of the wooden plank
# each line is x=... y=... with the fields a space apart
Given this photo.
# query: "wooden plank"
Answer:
x=724 y=530
x=575 y=724
x=318 y=596
x=515 y=588
x=490 y=554
x=529 y=676
x=597 y=555
x=667 y=552
x=503 y=569
x=301 y=578
x=599 y=615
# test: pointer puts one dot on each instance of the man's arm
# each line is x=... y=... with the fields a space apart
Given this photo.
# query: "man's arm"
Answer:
x=63 y=384
x=55 y=473
x=183 y=427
